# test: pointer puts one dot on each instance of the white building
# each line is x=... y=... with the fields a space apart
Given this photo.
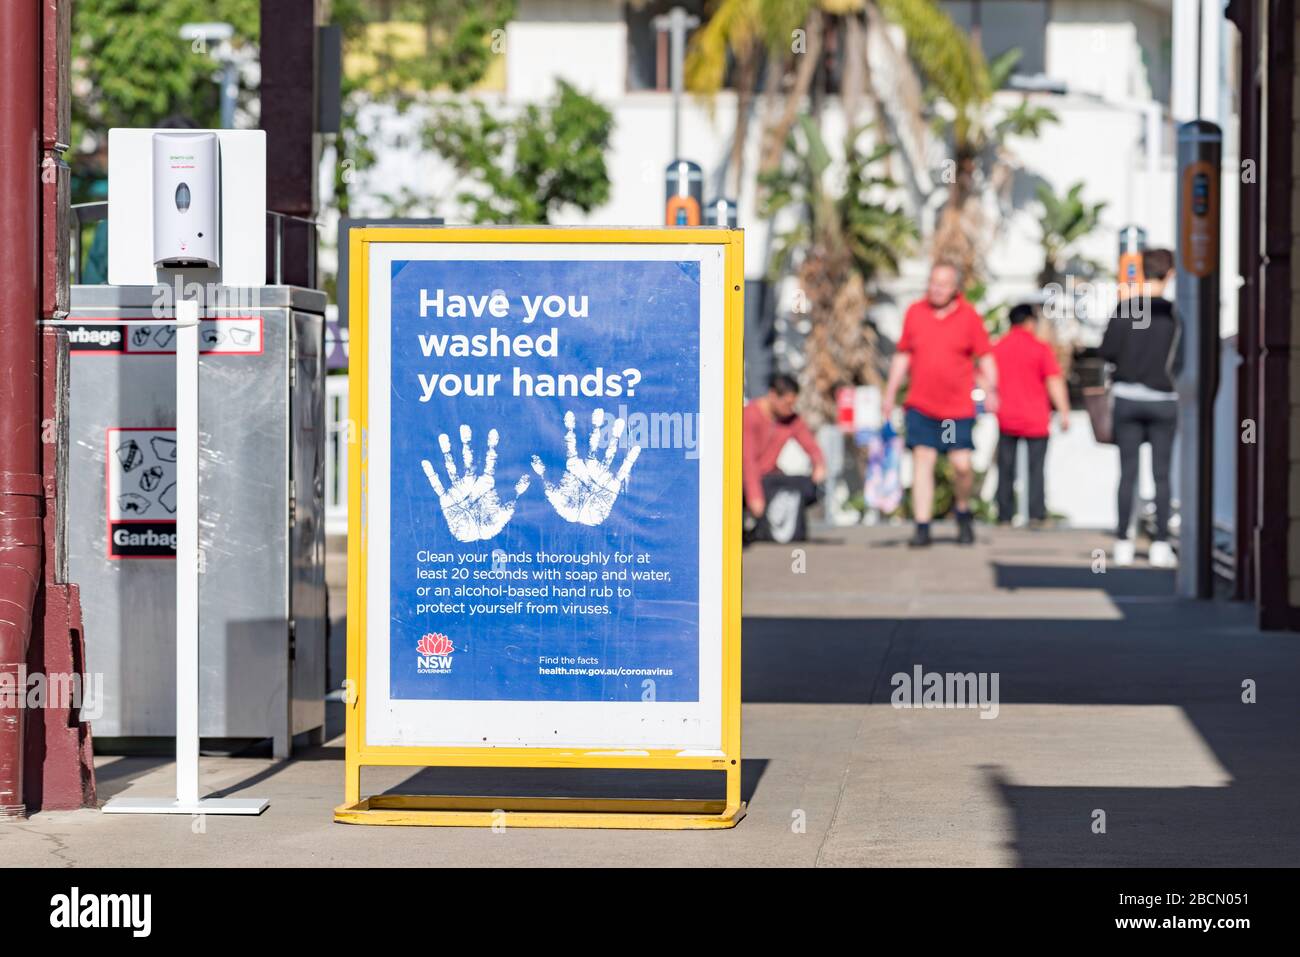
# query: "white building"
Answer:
x=1118 y=74
x=1114 y=60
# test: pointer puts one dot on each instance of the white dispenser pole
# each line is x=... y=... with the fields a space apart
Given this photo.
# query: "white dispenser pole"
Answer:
x=187 y=799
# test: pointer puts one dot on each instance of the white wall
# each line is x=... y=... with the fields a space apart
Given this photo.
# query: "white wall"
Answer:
x=1114 y=50
x=1093 y=46
x=1113 y=56
x=581 y=41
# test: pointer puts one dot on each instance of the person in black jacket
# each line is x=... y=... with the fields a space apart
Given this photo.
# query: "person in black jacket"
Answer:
x=1143 y=341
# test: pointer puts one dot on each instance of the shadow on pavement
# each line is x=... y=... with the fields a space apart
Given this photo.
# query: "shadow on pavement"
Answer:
x=1152 y=582
x=605 y=783
x=114 y=777
x=524 y=782
x=1250 y=823
x=1191 y=655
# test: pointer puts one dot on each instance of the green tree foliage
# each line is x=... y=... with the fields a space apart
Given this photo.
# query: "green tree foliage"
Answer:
x=846 y=213
x=845 y=236
x=730 y=37
x=1065 y=221
x=527 y=167
x=952 y=62
x=460 y=38
x=960 y=77
x=130 y=66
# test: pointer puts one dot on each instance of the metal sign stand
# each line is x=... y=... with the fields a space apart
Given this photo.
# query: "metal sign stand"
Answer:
x=725 y=293
x=187 y=800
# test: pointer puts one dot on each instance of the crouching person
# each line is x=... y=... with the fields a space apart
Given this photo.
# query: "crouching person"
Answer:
x=775 y=500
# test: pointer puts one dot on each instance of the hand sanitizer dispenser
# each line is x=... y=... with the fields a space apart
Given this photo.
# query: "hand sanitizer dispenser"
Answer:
x=186 y=199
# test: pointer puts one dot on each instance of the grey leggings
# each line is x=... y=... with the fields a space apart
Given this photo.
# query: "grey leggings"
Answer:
x=1136 y=422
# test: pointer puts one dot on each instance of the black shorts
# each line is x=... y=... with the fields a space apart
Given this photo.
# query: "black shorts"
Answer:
x=943 y=435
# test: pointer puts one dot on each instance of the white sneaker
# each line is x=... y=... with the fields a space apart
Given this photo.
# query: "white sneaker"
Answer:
x=1123 y=554
x=783 y=515
x=1162 y=555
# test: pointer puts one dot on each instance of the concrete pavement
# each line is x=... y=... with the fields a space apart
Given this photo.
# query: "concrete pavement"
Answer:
x=1117 y=706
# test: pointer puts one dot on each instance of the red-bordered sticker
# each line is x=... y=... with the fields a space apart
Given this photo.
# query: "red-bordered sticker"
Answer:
x=218 y=336
x=140 y=490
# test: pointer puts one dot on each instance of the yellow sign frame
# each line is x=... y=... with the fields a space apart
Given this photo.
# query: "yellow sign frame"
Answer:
x=488 y=811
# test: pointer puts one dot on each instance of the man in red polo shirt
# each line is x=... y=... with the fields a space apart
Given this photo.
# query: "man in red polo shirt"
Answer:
x=1030 y=385
x=943 y=341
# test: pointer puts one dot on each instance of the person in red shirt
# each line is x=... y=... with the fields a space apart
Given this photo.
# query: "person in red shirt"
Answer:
x=942 y=344
x=1030 y=385
x=777 y=500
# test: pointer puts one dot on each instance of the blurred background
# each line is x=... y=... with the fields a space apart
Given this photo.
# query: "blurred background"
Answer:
x=855 y=143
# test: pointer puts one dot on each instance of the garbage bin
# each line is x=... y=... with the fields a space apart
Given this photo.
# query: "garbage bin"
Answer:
x=262 y=560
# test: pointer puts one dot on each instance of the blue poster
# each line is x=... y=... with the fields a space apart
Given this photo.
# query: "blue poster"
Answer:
x=545 y=480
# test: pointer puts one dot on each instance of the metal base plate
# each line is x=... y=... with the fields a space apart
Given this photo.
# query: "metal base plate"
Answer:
x=147 y=805
x=458 y=811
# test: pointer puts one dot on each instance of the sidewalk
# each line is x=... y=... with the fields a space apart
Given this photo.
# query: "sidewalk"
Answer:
x=1114 y=698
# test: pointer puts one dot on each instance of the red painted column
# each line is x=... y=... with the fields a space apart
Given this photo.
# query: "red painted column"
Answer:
x=1245 y=14
x=1272 y=547
x=21 y=487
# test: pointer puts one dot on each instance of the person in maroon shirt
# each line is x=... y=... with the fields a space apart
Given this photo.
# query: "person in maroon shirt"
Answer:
x=1030 y=385
x=775 y=499
x=942 y=343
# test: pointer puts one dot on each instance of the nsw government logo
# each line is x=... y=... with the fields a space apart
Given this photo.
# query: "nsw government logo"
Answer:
x=433 y=654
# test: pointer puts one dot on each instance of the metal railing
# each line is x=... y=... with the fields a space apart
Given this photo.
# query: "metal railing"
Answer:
x=338 y=427
x=83 y=214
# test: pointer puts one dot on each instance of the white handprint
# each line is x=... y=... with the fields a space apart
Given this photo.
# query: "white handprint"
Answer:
x=588 y=489
x=470 y=505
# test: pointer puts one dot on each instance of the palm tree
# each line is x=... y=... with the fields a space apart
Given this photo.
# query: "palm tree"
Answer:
x=964 y=84
x=836 y=248
x=1066 y=219
x=747 y=32
x=734 y=29
x=961 y=86
x=845 y=236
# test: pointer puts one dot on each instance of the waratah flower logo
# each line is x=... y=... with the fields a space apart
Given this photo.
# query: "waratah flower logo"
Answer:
x=435 y=643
